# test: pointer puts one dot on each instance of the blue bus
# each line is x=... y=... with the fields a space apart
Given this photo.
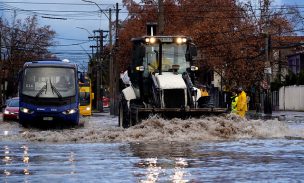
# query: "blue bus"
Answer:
x=48 y=93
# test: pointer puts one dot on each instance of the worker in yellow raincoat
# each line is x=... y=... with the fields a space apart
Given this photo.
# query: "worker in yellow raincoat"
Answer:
x=234 y=100
x=241 y=104
x=204 y=92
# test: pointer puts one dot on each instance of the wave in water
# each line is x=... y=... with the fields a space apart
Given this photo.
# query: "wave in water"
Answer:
x=104 y=129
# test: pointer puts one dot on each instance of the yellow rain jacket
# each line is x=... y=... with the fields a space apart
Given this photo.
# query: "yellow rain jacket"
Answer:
x=204 y=92
x=233 y=104
x=242 y=104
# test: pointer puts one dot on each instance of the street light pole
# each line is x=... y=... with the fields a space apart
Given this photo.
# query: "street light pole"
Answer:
x=85 y=30
x=98 y=57
x=97 y=6
x=267 y=71
x=1 y=98
x=99 y=75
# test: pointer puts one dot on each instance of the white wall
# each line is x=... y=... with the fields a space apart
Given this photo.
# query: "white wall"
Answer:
x=292 y=98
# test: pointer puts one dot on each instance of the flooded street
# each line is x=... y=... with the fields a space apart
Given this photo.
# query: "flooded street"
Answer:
x=210 y=149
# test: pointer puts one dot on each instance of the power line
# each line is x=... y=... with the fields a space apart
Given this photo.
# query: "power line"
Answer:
x=49 y=3
x=70 y=39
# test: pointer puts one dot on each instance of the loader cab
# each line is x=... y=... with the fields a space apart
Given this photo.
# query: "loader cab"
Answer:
x=156 y=55
x=162 y=54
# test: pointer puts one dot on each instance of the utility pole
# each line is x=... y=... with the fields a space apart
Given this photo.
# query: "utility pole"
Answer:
x=99 y=67
x=114 y=67
x=115 y=71
x=1 y=99
x=99 y=63
x=0 y=48
x=161 y=17
x=267 y=70
x=116 y=25
x=112 y=74
x=96 y=65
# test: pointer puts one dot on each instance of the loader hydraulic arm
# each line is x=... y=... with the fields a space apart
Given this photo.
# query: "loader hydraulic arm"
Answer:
x=155 y=92
x=191 y=91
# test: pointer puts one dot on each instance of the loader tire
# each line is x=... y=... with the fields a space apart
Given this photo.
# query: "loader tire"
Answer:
x=124 y=114
x=135 y=117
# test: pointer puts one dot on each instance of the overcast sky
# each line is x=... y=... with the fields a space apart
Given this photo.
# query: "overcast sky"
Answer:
x=73 y=42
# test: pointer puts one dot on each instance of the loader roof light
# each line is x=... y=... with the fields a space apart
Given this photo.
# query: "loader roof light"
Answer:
x=150 y=40
x=140 y=68
x=181 y=40
x=165 y=39
x=193 y=68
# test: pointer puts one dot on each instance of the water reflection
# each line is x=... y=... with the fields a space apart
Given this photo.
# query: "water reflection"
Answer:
x=26 y=159
x=7 y=159
x=72 y=160
x=155 y=170
x=162 y=163
x=179 y=170
x=5 y=132
x=11 y=158
x=152 y=170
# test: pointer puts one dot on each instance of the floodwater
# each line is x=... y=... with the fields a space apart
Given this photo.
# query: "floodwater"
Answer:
x=209 y=149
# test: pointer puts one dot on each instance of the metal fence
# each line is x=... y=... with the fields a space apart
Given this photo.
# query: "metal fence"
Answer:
x=274 y=100
x=221 y=99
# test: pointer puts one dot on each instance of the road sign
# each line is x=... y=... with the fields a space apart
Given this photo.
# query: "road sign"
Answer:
x=265 y=85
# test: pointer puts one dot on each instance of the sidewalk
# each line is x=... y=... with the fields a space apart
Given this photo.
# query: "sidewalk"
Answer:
x=281 y=115
x=105 y=112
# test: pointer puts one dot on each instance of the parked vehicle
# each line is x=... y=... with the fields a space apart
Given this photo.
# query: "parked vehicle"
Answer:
x=86 y=97
x=105 y=102
x=11 y=110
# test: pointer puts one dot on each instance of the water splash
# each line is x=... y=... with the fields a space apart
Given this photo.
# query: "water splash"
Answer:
x=104 y=129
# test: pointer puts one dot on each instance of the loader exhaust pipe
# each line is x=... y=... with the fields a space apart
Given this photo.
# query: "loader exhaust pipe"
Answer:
x=160 y=58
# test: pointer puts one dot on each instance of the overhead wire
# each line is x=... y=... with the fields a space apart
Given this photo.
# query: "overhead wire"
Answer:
x=90 y=13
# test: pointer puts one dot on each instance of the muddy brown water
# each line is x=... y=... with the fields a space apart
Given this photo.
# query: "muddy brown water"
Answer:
x=209 y=149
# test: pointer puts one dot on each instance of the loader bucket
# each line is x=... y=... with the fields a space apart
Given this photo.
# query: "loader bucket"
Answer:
x=138 y=114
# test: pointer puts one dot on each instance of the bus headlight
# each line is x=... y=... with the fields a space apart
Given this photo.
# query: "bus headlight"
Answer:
x=70 y=111
x=6 y=112
x=26 y=110
x=88 y=108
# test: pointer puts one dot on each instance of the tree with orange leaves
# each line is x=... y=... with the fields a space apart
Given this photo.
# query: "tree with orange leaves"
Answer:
x=229 y=35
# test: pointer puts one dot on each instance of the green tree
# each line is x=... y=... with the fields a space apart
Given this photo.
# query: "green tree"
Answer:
x=300 y=78
x=290 y=79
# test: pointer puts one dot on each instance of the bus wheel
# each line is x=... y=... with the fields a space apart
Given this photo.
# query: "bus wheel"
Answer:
x=123 y=119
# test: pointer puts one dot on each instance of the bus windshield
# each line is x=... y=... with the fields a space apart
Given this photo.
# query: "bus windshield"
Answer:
x=84 y=93
x=84 y=98
x=173 y=54
x=49 y=82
